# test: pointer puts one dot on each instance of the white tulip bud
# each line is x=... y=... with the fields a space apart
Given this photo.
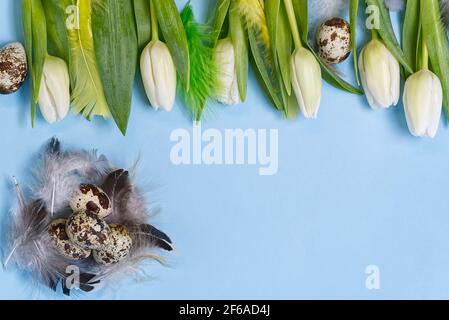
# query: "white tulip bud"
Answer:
x=380 y=75
x=159 y=75
x=423 y=101
x=54 y=93
x=307 y=82
x=228 y=88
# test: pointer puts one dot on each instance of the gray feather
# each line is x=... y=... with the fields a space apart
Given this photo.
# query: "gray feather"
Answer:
x=59 y=173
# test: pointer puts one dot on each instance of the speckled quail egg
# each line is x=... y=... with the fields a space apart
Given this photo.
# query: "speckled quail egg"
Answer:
x=88 y=231
x=90 y=198
x=334 y=40
x=118 y=248
x=62 y=243
x=13 y=67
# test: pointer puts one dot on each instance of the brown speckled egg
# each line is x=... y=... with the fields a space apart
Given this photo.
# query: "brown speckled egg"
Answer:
x=118 y=248
x=13 y=67
x=334 y=40
x=90 y=198
x=62 y=243
x=88 y=231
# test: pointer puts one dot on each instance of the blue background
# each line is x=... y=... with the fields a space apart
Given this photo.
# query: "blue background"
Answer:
x=354 y=188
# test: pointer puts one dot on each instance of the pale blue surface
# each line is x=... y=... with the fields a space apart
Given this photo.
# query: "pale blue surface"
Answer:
x=353 y=189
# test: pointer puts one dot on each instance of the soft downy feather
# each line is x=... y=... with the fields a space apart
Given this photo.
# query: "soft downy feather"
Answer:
x=28 y=244
x=61 y=172
x=203 y=71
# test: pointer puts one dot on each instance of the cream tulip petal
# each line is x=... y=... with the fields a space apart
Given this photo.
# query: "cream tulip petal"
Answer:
x=297 y=89
x=436 y=107
x=423 y=99
x=307 y=81
x=395 y=76
x=380 y=75
x=46 y=103
x=159 y=75
x=368 y=95
x=54 y=93
x=164 y=76
x=146 y=69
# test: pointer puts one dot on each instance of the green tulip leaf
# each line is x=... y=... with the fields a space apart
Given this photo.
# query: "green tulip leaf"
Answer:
x=301 y=8
x=57 y=35
x=410 y=33
x=35 y=35
x=284 y=48
x=266 y=69
x=281 y=47
x=353 y=11
x=116 y=49
x=175 y=36
x=221 y=11
x=281 y=40
x=435 y=37
x=142 y=14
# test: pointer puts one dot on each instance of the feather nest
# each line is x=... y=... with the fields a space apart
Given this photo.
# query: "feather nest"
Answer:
x=57 y=175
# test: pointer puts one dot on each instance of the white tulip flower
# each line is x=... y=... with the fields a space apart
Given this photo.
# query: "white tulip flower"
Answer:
x=159 y=75
x=54 y=93
x=307 y=82
x=380 y=75
x=423 y=100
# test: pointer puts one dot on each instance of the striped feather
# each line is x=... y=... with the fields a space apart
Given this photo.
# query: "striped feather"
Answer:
x=87 y=90
x=253 y=14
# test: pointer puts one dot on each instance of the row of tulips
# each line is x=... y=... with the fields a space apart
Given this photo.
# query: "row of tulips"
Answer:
x=211 y=61
x=423 y=93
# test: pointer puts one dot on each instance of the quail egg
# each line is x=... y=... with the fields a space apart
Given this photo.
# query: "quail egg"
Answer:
x=62 y=243
x=118 y=248
x=334 y=40
x=88 y=231
x=13 y=67
x=90 y=198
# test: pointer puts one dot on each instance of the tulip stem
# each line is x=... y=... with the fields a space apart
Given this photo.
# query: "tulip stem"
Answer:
x=293 y=23
x=374 y=34
x=425 y=57
x=154 y=24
